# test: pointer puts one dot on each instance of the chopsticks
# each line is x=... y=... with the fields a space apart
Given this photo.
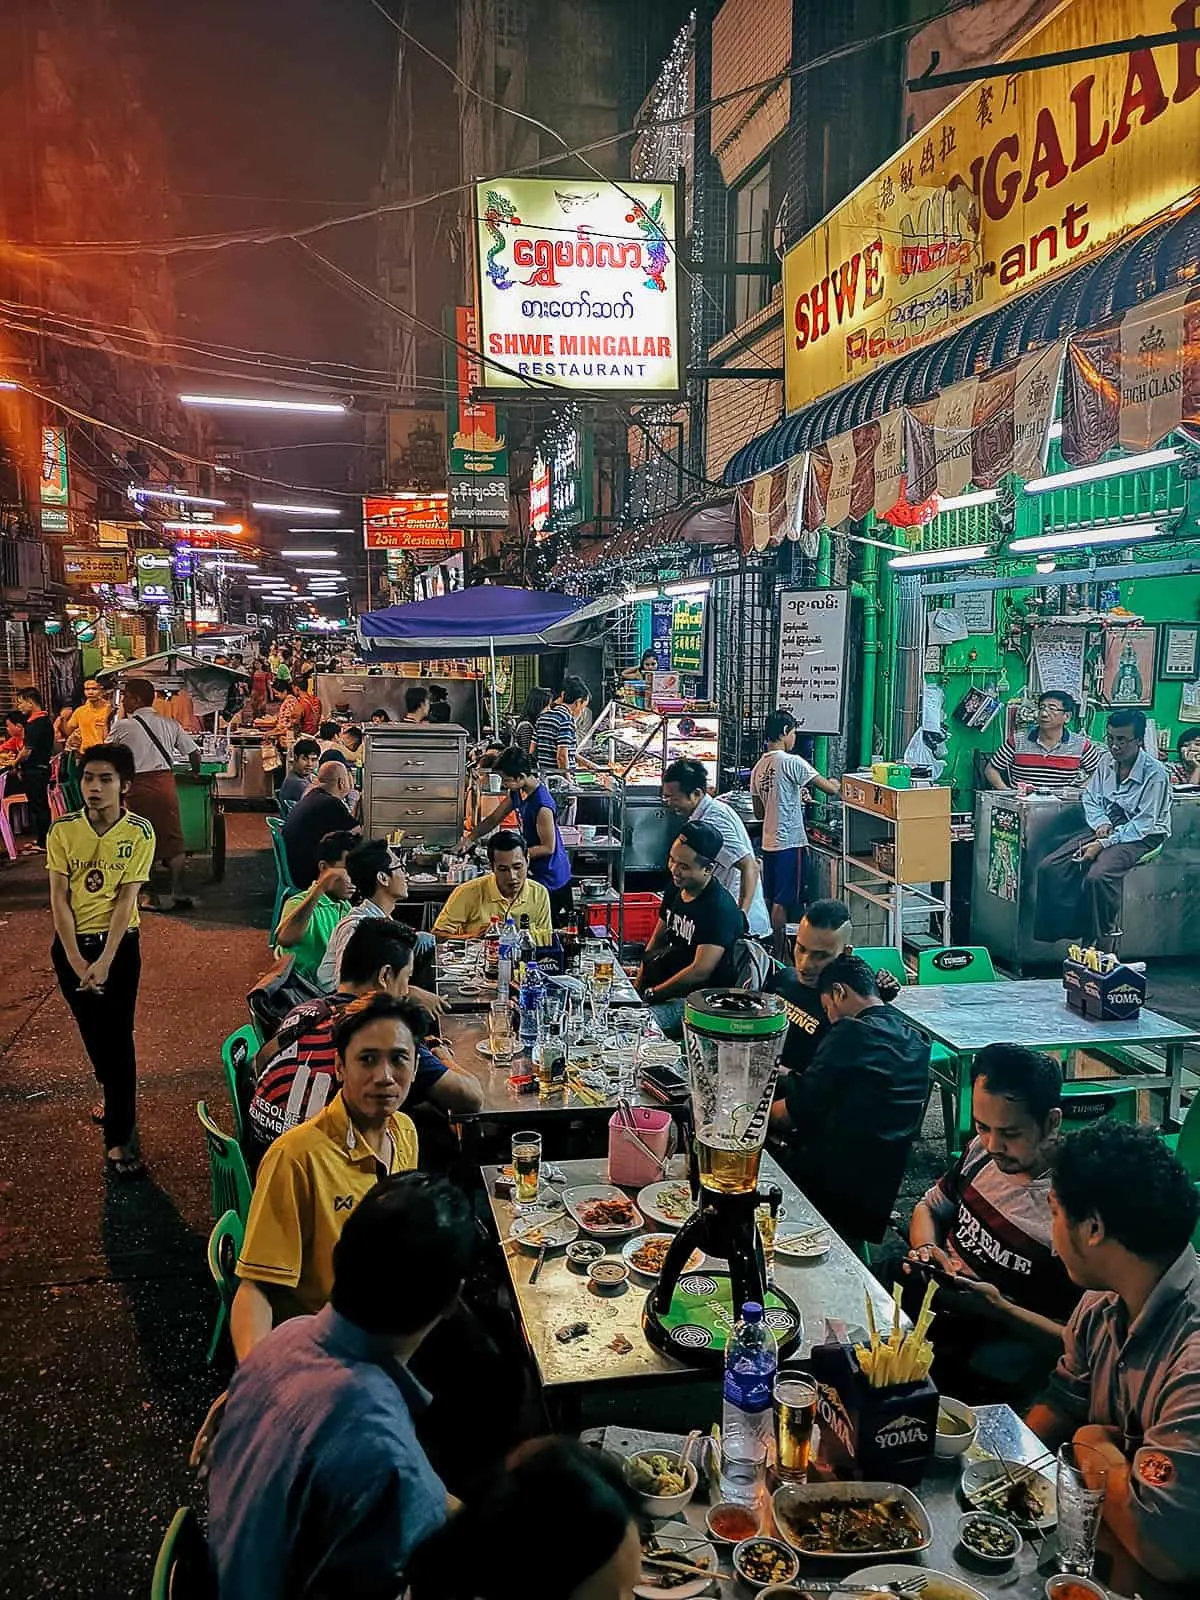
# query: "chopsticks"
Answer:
x=796 y=1241
x=629 y=1126
x=685 y=1568
x=537 y=1265
x=1025 y=1473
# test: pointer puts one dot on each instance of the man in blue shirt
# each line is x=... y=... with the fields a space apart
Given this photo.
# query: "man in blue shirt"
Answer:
x=318 y=1484
x=1127 y=808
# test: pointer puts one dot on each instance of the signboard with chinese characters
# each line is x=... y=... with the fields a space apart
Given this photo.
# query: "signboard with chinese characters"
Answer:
x=55 y=485
x=539 y=494
x=152 y=576
x=84 y=567
x=811 y=674
x=1019 y=178
x=409 y=522
x=578 y=287
x=478 y=502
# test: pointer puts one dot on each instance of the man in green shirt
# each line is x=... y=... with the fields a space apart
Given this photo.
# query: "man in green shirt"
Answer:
x=308 y=918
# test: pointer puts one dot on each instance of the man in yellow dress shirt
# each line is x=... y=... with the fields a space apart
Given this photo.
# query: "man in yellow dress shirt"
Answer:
x=312 y=1177
x=506 y=891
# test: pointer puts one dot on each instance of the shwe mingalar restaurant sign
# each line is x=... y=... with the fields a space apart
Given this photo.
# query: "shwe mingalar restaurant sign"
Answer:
x=578 y=287
x=1018 y=179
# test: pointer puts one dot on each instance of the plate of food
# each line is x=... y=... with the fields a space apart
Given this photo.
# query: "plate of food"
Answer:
x=544 y=1230
x=937 y=1585
x=807 y=1244
x=851 y=1521
x=669 y=1203
x=645 y=1254
x=1013 y=1490
x=602 y=1209
x=678 y=1541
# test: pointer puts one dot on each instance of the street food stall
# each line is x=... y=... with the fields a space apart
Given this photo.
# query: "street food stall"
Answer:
x=198 y=693
x=357 y=694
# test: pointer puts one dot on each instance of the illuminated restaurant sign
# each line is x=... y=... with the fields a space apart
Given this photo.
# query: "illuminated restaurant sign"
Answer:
x=409 y=522
x=578 y=287
x=1018 y=179
x=84 y=567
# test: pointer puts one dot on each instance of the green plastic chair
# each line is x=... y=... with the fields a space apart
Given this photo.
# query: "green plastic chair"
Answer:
x=224 y=1248
x=956 y=963
x=884 y=958
x=237 y=1052
x=283 y=877
x=228 y=1175
x=182 y=1570
x=1186 y=1143
x=1085 y=1101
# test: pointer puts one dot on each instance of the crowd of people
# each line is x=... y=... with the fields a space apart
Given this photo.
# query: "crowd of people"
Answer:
x=366 y=1340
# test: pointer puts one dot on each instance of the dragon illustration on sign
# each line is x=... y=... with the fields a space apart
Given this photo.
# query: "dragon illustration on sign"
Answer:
x=498 y=210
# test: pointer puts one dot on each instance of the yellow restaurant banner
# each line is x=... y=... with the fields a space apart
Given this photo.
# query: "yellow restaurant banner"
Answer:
x=1020 y=178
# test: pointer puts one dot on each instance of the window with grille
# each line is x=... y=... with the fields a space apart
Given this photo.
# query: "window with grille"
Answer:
x=750 y=222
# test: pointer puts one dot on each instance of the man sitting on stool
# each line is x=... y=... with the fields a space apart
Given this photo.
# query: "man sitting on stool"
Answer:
x=1127 y=807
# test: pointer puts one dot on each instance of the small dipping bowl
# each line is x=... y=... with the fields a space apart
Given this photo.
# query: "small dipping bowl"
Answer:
x=1000 y=1527
x=608 y=1277
x=732 y=1514
x=1059 y=1587
x=583 y=1254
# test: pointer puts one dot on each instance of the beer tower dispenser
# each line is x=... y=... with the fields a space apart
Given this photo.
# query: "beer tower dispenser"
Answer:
x=732 y=1040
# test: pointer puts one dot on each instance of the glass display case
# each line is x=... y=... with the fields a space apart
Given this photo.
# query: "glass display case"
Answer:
x=639 y=745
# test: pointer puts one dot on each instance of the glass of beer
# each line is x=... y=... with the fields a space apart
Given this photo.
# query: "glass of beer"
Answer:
x=795 y=1407
x=527 y=1166
x=500 y=1032
x=768 y=1227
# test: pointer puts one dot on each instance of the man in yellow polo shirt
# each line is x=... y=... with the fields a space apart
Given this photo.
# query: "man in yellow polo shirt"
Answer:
x=90 y=720
x=312 y=1177
x=506 y=891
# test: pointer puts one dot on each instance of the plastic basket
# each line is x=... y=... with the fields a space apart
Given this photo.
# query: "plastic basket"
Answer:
x=641 y=916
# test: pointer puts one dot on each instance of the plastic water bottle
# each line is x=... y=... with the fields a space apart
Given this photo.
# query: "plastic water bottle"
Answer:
x=508 y=954
x=750 y=1362
x=532 y=1001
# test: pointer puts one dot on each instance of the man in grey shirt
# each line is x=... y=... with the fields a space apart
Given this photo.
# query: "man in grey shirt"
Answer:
x=318 y=1484
x=1128 y=1383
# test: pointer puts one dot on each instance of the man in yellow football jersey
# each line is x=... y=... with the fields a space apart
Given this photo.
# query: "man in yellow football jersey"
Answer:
x=314 y=1175
x=98 y=859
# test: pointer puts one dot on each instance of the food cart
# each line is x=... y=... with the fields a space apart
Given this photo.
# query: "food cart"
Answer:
x=209 y=686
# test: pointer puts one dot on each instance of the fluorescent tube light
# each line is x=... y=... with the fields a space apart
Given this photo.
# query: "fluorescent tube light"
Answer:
x=942 y=558
x=1103 y=469
x=958 y=502
x=241 y=402
x=172 y=494
x=1083 y=538
x=640 y=594
x=688 y=587
x=203 y=527
x=310 y=555
x=296 y=511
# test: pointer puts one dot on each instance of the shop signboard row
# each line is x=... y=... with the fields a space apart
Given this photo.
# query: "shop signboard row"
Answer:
x=1020 y=178
x=578 y=288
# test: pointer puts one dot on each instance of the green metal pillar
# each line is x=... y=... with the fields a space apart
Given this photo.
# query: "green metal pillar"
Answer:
x=870 y=650
x=885 y=659
x=821 y=581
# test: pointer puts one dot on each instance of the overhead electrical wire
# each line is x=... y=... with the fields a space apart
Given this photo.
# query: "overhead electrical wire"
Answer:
x=218 y=241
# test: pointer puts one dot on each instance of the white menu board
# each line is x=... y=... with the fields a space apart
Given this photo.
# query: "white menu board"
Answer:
x=811 y=681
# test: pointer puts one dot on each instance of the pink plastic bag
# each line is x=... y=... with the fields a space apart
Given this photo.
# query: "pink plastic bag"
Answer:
x=628 y=1164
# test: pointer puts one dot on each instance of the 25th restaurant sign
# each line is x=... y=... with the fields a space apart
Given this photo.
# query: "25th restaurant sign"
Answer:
x=578 y=287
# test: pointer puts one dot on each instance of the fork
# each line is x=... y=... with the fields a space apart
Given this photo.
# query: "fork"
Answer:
x=905 y=1588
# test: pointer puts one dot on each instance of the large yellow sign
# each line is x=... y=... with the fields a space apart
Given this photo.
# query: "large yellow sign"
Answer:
x=1019 y=178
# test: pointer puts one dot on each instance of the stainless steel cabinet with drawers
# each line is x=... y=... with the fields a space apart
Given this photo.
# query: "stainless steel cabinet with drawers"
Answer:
x=415 y=778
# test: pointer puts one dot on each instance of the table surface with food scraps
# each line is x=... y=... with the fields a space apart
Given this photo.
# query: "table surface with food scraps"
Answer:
x=822 y=1275
x=948 y=1571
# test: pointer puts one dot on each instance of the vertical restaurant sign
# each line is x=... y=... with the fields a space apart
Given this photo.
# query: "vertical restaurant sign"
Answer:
x=152 y=576
x=687 y=636
x=477 y=443
x=1016 y=180
x=539 y=494
x=813 y=641
x=571 y=479
x=578 y=287
x=55 y=484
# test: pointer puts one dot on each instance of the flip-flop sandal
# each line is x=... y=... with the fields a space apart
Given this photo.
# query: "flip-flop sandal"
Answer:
x=97 y=1112
x=126 y=1168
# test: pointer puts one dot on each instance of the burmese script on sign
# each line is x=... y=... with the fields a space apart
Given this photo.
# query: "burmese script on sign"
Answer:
x=578 y=286
x=1019 y=178
x=811 y=674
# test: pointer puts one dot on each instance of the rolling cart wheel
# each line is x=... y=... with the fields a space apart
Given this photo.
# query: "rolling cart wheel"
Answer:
x=218 y=846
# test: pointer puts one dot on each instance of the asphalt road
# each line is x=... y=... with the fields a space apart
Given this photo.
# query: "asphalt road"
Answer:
x=106 y=1303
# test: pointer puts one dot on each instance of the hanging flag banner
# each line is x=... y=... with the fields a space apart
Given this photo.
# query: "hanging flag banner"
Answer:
x=763 y=508
x=1018 y=179
x=578 y=288
x=55 y=484
x=889 y=463
x=1134 y=381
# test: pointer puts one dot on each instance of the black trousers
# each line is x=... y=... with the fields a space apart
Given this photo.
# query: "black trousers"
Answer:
x=562 y=904
x=1083 y=899
x=106 y=1027
x=37 y=784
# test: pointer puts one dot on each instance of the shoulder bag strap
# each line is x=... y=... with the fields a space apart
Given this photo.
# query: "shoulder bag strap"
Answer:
x=158 y=744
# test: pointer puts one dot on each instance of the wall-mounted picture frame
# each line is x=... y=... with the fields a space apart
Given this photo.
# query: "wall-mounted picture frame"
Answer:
x=1129 y=659
x=1179 y=651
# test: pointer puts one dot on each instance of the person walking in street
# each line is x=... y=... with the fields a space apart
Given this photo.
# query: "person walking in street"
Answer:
x=89 y=723
x=777 y=792
x=156 y=744
x=33 y=765
x=98 y=859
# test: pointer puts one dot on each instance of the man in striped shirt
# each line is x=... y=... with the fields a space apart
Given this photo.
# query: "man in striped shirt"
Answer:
x=556 y=742
x=1048 y=755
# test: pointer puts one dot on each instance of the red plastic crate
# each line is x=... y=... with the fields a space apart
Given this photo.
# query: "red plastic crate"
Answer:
x=641 y=916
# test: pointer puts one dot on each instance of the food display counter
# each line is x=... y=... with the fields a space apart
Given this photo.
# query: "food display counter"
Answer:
x=639 y=746
x=1015 y=833
x=243 y=778
x=357 y=694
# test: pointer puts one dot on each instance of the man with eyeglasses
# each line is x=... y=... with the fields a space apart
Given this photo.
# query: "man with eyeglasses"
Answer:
x=1127 y=808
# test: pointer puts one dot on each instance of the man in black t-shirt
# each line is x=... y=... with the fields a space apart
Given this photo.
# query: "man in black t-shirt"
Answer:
x=322 y=810
x=692 y=946
x=823 y=936
x=845 y=1127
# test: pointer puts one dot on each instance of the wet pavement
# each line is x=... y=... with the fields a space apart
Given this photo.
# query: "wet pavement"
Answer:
x=106 y=1303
